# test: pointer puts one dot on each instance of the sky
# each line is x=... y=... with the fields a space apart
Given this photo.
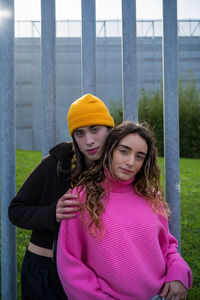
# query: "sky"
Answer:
x=106 y=9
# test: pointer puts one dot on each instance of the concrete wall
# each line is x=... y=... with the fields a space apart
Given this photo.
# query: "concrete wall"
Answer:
x=108 y=68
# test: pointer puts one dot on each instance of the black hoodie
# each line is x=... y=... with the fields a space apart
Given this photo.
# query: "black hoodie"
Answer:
x=34 y=206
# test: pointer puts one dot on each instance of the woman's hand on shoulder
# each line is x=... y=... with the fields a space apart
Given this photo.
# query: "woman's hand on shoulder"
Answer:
x=174 y=290
x=67 y=207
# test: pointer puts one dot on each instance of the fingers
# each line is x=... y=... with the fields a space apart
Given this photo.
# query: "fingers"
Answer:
x=65 y=213
x=65 y=203
x=69 y=191
x=67 y=200
x=64 y=217
x=67 y=207
x=65 y=210
x=68 y=196
x=165 y=290
x=174 y=290
x=170 y=296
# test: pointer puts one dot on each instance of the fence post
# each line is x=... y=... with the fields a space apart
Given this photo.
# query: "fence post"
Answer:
x=8 y=151
x=171 y=114
x=48 y=49
x=88 y=47
x=129 y=61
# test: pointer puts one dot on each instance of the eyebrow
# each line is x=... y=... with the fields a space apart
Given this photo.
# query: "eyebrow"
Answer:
x=128 y=148
x=92 y=126
x=78 y=130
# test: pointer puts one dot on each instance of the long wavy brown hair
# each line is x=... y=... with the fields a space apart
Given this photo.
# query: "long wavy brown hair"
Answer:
x=146 y=182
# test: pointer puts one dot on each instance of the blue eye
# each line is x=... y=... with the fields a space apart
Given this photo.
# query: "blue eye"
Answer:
x=123 y=151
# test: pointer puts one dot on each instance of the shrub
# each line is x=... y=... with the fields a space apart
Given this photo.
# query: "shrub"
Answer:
x=189 y=120
x=151 y=111
x=116 y=111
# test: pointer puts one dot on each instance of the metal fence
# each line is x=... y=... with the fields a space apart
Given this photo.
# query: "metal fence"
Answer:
x=7 y=103
x=106 y=28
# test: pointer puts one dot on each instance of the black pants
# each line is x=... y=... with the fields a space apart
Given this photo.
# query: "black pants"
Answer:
x=39 y=279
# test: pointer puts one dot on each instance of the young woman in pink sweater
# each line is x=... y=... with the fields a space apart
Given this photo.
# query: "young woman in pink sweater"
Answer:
x=119 y=245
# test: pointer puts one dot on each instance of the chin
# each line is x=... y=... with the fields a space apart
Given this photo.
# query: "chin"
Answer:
x=125 y=178
x=94 y=158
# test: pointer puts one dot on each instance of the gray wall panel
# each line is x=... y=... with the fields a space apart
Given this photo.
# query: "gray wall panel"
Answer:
x=108 y=77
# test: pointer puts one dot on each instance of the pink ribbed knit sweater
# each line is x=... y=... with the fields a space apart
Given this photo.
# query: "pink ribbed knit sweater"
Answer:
x=133 y=259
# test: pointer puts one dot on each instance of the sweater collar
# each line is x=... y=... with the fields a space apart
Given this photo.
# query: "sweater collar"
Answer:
x=117 y=185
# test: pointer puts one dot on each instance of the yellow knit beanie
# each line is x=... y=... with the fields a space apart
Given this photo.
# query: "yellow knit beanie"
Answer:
x=86 y=111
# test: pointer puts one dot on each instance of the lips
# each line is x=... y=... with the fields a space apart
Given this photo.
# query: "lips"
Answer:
x=126 y=171
x=92 y=151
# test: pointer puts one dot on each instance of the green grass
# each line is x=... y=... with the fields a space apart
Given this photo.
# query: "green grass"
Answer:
x=26 y=161
x=190 y=221
x=190 y=212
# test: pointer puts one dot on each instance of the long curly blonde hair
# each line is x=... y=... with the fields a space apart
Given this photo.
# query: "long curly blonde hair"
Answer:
x=146 y=182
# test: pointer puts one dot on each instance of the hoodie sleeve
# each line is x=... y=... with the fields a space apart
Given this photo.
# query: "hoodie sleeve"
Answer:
x=26 y=210
x=177 y=268
x=78 y=280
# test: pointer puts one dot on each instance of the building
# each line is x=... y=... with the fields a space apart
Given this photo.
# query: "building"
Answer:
x=108 y=68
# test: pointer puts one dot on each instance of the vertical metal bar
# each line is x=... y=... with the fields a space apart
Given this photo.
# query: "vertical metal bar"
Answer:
x=171 y=114
x=8 y=149
x=48 y=47
x=88 y=47
x=129 y=61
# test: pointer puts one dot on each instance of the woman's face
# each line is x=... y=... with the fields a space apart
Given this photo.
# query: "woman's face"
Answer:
x=128 y=156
